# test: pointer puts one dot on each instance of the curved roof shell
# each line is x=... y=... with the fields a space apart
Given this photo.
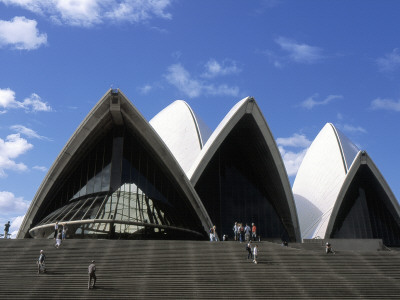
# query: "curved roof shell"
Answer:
x=114 y=109
x=364 y=169
x=320 y=178
x=247 y=114
x=339 y=192
x=182 y=131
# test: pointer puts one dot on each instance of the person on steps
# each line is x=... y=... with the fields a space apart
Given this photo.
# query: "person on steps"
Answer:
x=41 y=262
x=92 y=275
x=6 y=229
x=255 y=254
x=249 y=250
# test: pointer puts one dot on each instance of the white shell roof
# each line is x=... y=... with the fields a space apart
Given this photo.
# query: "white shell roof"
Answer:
x=320 y=179
x=182 y=131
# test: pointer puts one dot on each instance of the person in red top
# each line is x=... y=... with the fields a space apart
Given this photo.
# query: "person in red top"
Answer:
x=253 y=231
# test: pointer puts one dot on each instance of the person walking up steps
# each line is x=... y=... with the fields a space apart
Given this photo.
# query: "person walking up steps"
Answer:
x=92 y=275
x=255 y=253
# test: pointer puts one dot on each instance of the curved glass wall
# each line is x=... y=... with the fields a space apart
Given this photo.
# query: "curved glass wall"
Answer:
x=240 y=184
x=366 y=212
x=121 y=191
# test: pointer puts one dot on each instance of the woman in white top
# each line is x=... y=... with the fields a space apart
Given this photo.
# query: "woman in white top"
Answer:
x=255 y=253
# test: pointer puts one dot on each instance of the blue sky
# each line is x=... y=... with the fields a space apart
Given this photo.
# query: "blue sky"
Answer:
x=305 y=62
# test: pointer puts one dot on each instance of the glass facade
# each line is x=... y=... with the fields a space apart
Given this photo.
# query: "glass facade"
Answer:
x=241 y=184
x=366 y=212
x=120 y=190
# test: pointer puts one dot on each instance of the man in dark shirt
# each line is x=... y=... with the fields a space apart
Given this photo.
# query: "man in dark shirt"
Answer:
x=6 y=229
x=41 y=262
x=92 y=274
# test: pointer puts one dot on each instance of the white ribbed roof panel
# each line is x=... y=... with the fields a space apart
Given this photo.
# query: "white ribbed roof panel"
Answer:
x=182 y=131
x=348 y=148
x=318 y=182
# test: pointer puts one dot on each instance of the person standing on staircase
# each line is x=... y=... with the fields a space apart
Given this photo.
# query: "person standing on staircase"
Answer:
x=55 y=229
x=92 y=275
x=253 y=231
x=235 y=231
x=247 y=231
x=249 y=250
x=6 y=229
x=64 y=231
x=58 y=239
x=41 y=262
x=255 y=254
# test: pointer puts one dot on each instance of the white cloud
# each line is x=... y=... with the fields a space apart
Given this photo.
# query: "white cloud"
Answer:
x=385 y=104
x=10 y=204
x=296 y=140
x=21 y=33
x=310 y=102
x=40 y=168
x=91 y=12
x=390 y=62
x=293 y=159
x=34 y=104
x=179 y=77
x=214 y=68
x=10 y=148
x=30 y=104
x=300 y=53
x=27 y=132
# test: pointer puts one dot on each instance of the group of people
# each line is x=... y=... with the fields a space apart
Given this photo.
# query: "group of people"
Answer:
x=252 y=252
x=244 y=233
x=60 y=234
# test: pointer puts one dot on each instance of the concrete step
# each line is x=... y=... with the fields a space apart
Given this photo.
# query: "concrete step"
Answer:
x=193 y=270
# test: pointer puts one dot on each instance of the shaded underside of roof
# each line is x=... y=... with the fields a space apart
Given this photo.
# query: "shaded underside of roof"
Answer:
x=112 y=111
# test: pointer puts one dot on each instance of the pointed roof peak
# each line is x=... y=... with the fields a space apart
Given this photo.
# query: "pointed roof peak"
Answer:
x=182 y=131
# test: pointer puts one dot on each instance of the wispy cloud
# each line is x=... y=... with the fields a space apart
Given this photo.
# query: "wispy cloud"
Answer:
x=351 y=128
x=214 y=68
x=91 y=12
x=10 y=149
x=310 y=102
x=389 y=62
x=31 y=104
x=21 y=33
x=40 y=168
x=266 y=4
x=30 y=133
x=145 y=89
x=385 y=104
x=293 y=158
x=300 y=52
x=179 y=77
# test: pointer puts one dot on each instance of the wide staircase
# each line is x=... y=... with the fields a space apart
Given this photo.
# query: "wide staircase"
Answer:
x=193 y=270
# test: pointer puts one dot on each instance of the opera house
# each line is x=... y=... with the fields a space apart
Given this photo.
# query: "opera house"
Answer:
x=122 y=177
